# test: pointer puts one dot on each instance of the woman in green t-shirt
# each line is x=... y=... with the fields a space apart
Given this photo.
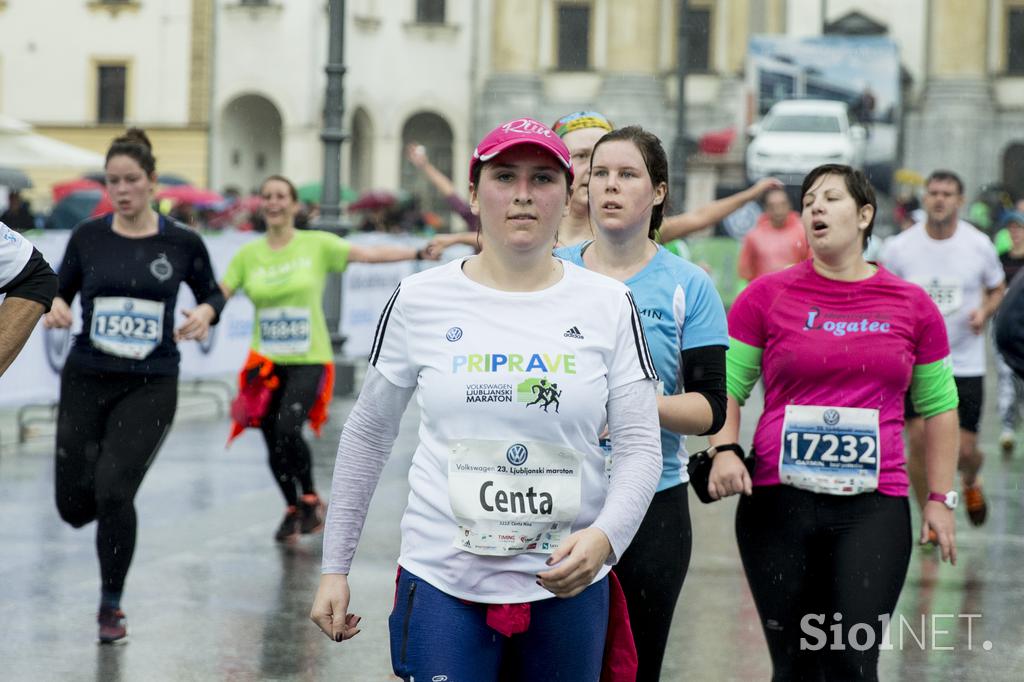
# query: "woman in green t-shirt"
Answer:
x=284 y=274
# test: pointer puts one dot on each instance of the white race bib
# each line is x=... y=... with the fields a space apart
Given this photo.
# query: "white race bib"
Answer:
x=284 y=331
x=832 y=450
x=947 y=293
x=126 y=327
x=513 y=497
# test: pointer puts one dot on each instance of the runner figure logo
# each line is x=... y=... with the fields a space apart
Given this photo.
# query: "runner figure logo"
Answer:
x=539 y=392
x=161 y=268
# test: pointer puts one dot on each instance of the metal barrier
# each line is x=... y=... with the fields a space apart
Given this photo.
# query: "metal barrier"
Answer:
x=218 y=391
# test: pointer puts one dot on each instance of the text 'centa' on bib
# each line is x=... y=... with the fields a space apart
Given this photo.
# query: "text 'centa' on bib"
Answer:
x=513 y=497
x=832 y=450
x=126 y=327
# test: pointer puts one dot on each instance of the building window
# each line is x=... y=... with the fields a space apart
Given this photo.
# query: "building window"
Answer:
x=698 y=40
x=430 y=11
x=1015 y=41
x=111 y=95
x=573 y=37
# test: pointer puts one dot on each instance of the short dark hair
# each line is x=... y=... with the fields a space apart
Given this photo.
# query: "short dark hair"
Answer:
x=943 y=175
x=281 y=178
x=655 y=159
x=857 y=184
x=134 y=144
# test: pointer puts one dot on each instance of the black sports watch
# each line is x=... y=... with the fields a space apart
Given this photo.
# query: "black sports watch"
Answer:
x=713 y=450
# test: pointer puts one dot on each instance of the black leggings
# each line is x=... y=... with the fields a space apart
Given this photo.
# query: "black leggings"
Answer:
x=806 y=553
x=652 y=571
x=109 y=429
x=290 y=459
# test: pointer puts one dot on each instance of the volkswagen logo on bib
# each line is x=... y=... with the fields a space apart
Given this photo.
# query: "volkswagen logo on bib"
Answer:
x=454 y=334
x=517 y=454
x=831 y=417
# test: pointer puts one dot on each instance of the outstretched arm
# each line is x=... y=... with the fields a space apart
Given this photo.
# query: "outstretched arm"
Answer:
x=390 y=254
x=417 y=156
x=678 y=226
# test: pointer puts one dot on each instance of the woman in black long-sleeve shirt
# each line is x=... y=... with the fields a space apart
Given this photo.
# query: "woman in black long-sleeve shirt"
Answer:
x=119 y=386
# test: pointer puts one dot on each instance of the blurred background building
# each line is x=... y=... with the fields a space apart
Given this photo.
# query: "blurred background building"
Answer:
x=232 y=90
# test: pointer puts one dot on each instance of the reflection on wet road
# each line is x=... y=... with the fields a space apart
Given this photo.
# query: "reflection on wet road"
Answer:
x=211 y=597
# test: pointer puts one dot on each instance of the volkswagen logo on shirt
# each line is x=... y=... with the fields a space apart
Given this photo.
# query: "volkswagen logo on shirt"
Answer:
x=517 y=454
x=831 y=417
x=454 y=334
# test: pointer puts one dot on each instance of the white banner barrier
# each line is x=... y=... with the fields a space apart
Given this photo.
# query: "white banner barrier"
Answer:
x=365 y=288
x=34 y=377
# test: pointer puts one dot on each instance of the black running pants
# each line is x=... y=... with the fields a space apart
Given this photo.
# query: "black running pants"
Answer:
x=289 y=455
x=810 y=556
x=652 y=571
x=109 y=429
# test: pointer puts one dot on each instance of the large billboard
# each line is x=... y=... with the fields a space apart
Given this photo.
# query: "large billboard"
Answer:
x=862 y=71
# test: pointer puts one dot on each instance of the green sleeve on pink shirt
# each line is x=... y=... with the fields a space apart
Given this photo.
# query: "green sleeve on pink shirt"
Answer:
x=742 y=369
x=932 y=388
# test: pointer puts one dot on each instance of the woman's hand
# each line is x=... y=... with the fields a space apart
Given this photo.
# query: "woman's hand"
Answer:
x=59 y=316
x=578 y=560
x=729 y=476
x=939 y=518
x=330 y=608
x=197 y=323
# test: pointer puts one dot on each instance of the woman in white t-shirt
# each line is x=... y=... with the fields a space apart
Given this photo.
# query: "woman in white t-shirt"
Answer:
x=520 y=358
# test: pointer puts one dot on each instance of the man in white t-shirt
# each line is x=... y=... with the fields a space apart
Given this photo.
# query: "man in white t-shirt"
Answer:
x=957 y=265
x=27 y=285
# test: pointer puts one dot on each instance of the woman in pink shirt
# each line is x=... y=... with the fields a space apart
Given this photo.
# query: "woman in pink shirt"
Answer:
x=823 y=526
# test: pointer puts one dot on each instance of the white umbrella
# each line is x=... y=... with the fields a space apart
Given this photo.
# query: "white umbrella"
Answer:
x=20 y=147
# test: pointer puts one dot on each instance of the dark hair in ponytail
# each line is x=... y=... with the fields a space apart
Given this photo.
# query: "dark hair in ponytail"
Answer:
x=655 y=159
x=135 y=144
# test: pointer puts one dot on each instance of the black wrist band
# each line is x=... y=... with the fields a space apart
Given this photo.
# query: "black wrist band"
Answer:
x=727 y=447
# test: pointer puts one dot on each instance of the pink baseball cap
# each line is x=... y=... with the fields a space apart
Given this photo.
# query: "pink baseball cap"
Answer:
x=517 y=132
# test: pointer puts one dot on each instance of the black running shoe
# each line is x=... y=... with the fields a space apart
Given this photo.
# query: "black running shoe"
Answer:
x=290 y=526
x=113 y=626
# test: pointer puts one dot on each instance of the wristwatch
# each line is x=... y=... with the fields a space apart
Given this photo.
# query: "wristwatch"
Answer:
x=713 y=450
x=950 y=499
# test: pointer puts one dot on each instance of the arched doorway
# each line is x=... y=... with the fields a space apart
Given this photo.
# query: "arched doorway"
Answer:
x=434 y=133
x=360 y=161
x=1013 y=169
x=250 y=142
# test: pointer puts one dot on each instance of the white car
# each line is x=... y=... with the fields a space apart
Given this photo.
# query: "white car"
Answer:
x=798 y=135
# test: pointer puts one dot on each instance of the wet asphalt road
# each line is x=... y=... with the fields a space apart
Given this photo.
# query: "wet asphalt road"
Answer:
x=211 y=597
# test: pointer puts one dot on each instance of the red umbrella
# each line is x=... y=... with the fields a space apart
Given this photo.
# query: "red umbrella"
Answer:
x=62 y=189
x=373 y=200
x=187 y=194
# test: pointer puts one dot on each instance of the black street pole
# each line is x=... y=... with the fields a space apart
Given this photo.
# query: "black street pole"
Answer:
x=332 y=136
x=678 y=172
x=334 y=108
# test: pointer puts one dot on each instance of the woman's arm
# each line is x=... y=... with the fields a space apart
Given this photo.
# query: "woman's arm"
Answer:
x=677 y=226
x=365 y=445
x=729 y=475
x=941 y=438
x=934 y=396
x=389 y=254
x=636 y=467
x=700 y=409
